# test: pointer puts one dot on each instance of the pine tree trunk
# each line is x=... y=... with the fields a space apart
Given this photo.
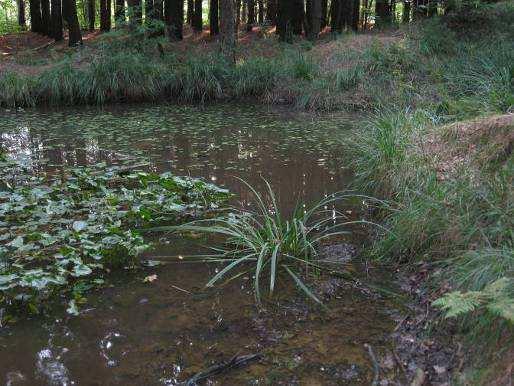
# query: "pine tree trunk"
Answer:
x=197 y=18
x=45 y=17
x=251 y=15
x=238 y=14
x=158 y=13
x=135 y=12
x=35 y=15
x=105 y=15
x=214 y=17
x=271 y=11
x=119 y=12
x=336 y=22
x=69 y=12
x=406 y=12
x=227 y=30
x=356 y=7
x=314 y=19
x=298 y=16
x=174 y=17
x=21 y=13
x=324 y=13
x=56 y=16
x=149 y=11
x=190 y=11
x=260 y=19
x=382 y=12
x=284 y=20
x=91 y=14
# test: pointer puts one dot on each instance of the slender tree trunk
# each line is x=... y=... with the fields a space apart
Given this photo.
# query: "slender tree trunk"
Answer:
x=69 y=12
x=119 y=12
x=214 y=26
x=298 y=16
x=284 y=20
x=251 y=15
x=238 y=14
x=135 y=12
x=336 y=22
x=174 y=16
x=382 y=12
x=56 y=16
x=91 y=13
x=314 y=19
x=45 y=17
x=432 y=8
x=227 y=30
x=420 y=9
x=244 y=11
x=260 y=19
x=158 y=13
x=35 y=15
x=324 y=13
x=21 y=13
x=356 y=8
x=271 y=11
x=190 y=11
x=197 y=18
x=105 y=15
x=149 y=11
x=406 y=12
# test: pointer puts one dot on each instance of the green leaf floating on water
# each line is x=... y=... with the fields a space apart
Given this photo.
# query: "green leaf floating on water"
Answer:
x=56 y=231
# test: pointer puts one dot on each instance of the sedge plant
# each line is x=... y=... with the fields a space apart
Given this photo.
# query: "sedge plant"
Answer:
x=265 y=242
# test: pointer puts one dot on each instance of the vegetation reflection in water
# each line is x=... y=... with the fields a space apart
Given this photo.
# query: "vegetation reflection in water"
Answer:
x=143 y=332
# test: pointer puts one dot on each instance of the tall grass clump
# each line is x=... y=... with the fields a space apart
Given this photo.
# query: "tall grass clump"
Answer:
x=126 y=76
x=62 y=85
x=17 y=90
x=255 y=76
x=267 y=244
x=202 y=79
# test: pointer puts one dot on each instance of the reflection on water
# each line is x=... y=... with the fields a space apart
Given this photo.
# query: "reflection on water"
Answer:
x=137 y=333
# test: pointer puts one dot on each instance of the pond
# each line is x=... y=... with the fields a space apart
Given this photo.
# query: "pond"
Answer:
x=136 y=332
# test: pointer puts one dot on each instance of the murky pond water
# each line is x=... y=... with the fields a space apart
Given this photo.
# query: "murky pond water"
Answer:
x=137 y=333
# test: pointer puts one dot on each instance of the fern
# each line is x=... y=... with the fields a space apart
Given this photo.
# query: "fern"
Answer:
x=496 y=298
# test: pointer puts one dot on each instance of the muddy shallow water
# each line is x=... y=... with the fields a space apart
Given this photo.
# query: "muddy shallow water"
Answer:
x=140 y=333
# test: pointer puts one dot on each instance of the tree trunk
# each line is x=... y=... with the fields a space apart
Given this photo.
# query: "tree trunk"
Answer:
x=271 y=11
x=260 y=19
x=69 y=12
x=406 y=12
x=105 y=15
x=432 y=8
x=45 y=17
x=135 y=12
x=298 y=16
x=227 y=30
x=356 y=15
x=119 y=12
x=251 y=15
x=158 y=13
x=420 y=9
x=336 y=22
x=174 y=16
x=284 y=20
x=238 y=14
x=214 y=26
x=21 y=13
x=35 y=15
x=197 y=18
x=382 y=12
x=149 y=11
x=91 y=14
x=56 y=16
x=314 y=19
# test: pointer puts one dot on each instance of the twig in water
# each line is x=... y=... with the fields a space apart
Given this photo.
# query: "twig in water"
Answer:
x=376 y=366
x=235 y=362
x=181 y=289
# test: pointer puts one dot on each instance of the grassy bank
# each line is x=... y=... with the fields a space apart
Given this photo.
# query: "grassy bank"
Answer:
x=444 y=161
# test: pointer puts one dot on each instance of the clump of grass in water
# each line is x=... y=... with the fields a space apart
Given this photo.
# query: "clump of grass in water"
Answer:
x=271 y=245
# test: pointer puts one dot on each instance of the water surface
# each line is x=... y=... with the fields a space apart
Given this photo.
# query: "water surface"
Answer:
x=137 y=333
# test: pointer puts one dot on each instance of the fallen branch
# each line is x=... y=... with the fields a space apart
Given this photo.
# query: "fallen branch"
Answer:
x=235 y=362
